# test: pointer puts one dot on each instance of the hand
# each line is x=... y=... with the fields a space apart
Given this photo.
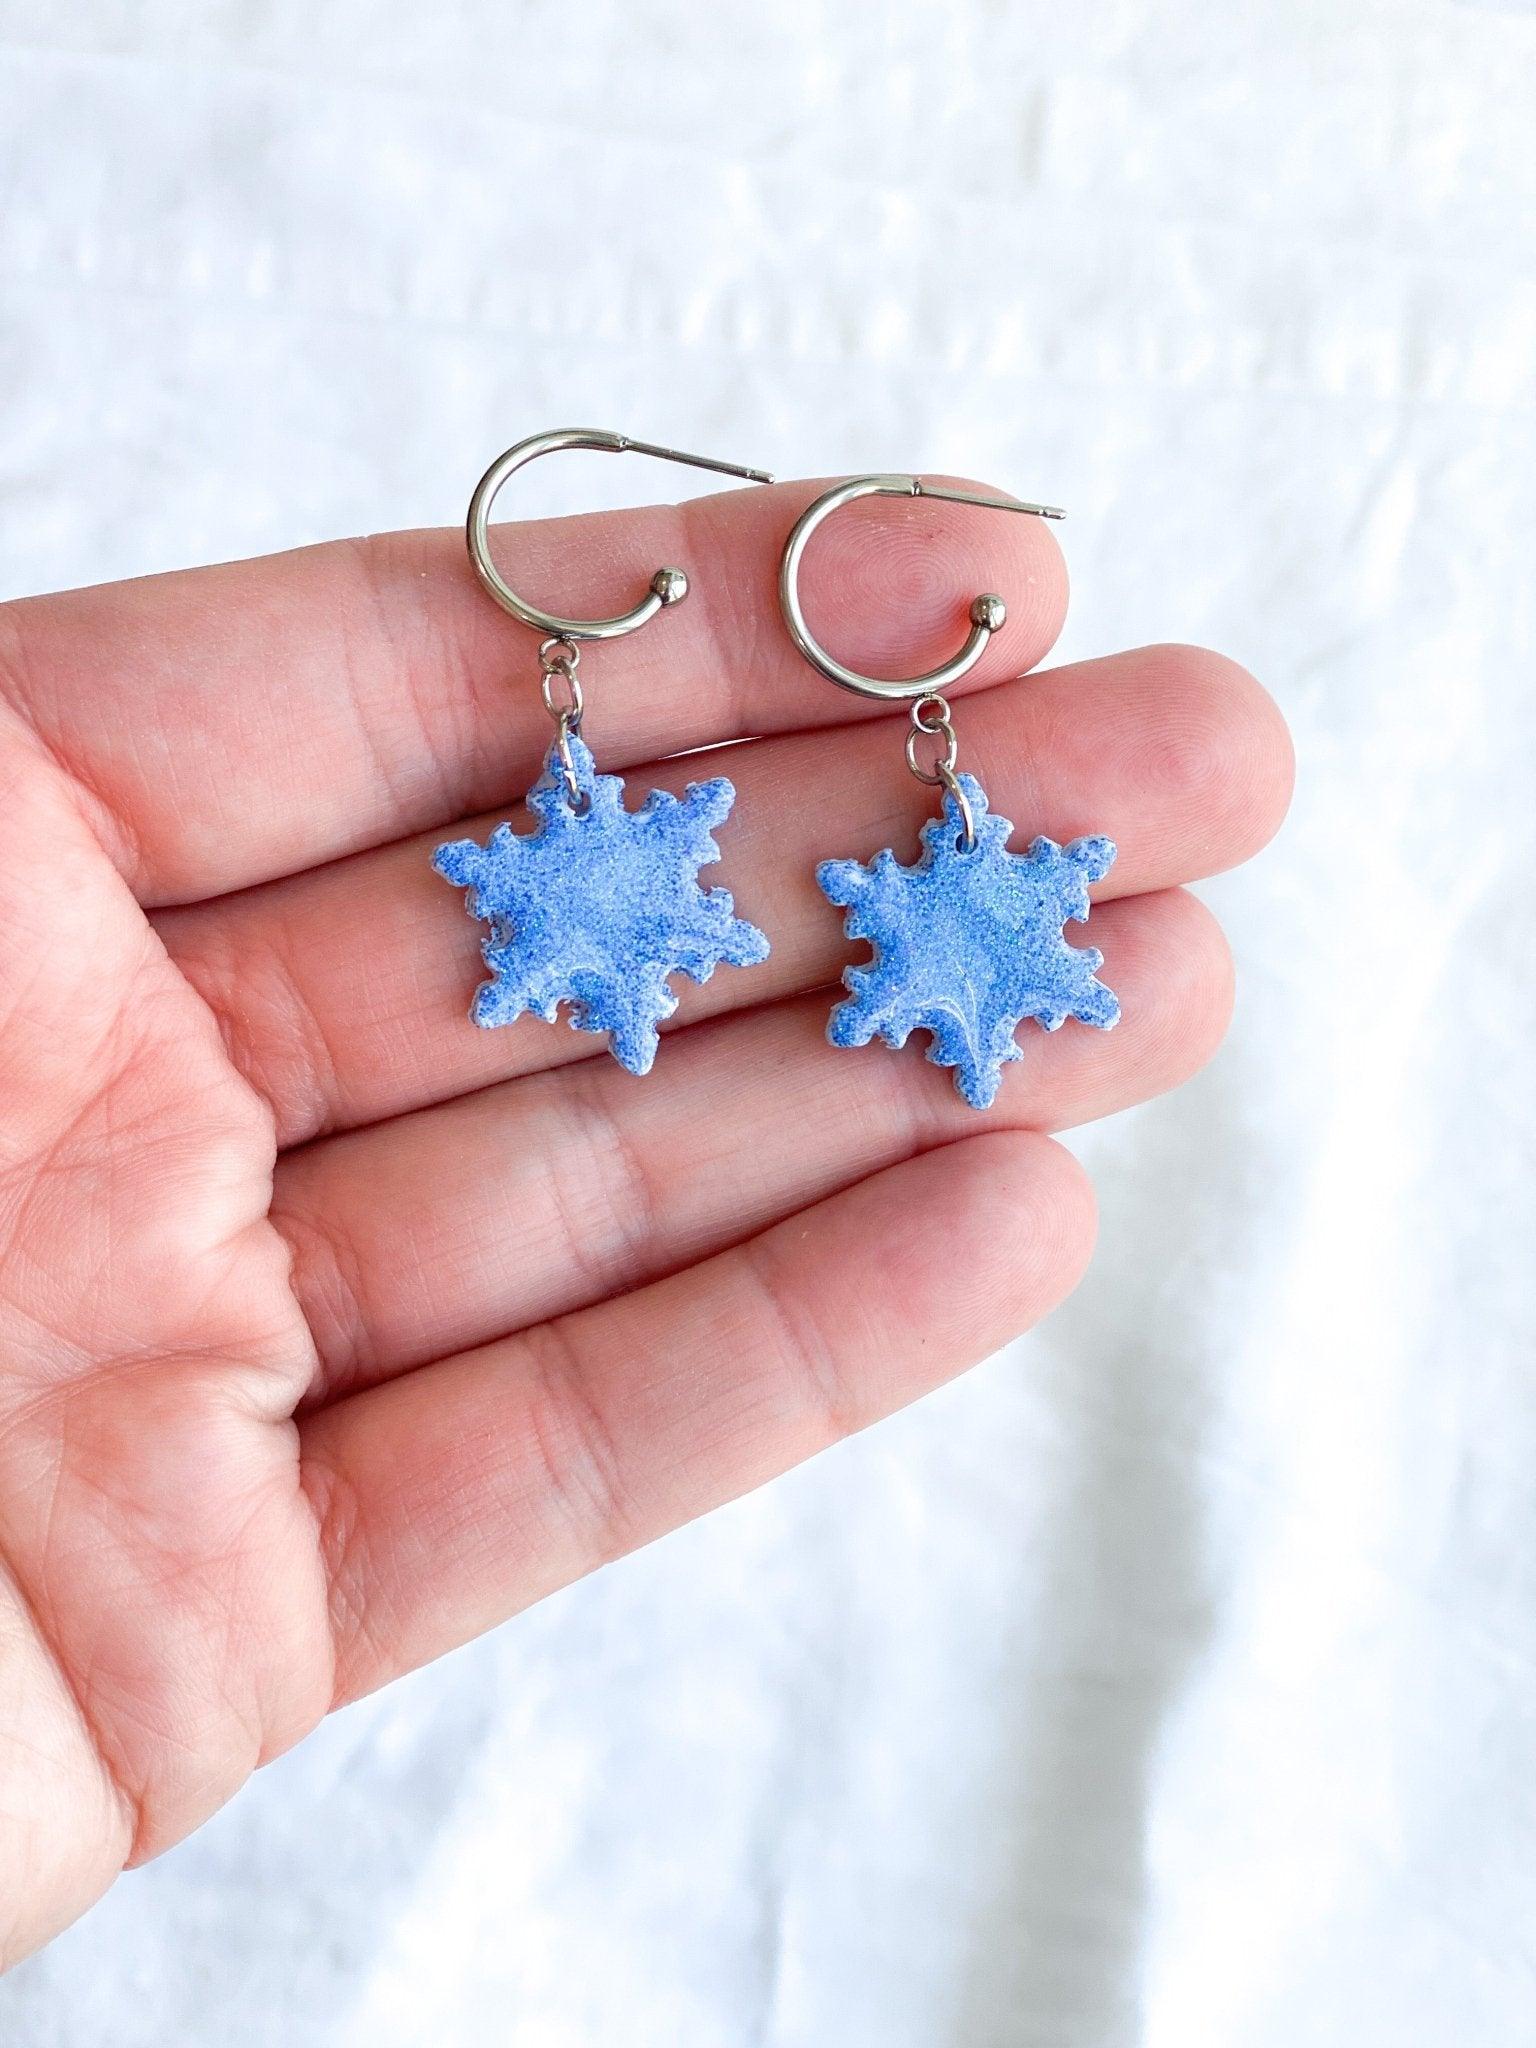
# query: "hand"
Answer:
x=333 y=1330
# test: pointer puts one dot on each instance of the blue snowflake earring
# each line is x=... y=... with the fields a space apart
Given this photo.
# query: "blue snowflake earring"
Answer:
x=968 y=941
x=598 y=905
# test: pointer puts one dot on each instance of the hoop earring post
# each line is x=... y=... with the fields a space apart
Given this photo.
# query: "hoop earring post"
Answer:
x=667 y=586
x=988 y=611
x=922 y=490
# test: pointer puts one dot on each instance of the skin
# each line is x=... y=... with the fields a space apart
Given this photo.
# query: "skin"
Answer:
x=275 y=1426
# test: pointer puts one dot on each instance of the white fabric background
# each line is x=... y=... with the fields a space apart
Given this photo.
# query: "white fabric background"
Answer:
x=1171 y=1680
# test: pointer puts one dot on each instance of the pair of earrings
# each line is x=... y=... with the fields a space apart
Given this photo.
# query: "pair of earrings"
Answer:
x=599 y=905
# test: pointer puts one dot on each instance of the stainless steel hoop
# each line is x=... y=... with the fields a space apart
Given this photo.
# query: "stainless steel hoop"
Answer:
x=987 y=611
x=668 y=586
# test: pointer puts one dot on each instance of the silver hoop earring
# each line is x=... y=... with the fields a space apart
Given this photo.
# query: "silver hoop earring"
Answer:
x=969 y=941
x=598 y=905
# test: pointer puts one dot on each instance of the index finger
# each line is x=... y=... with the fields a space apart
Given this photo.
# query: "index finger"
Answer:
x=233 y=724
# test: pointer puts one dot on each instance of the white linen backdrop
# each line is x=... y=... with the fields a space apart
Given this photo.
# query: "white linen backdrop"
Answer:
x=1171 y=1680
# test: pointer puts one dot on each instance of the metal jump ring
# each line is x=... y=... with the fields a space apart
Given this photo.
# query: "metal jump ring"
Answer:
x=951 y=782
x=558 y=652
x=562 y=664
x=930 y=716
x=935 y=728
x=580 y=800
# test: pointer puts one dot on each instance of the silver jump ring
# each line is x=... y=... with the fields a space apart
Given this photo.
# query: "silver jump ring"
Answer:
x=935 y=726
x=930 y=717
x=558 y=652
x=579 y=799
x=951 y=782
x=559 y=658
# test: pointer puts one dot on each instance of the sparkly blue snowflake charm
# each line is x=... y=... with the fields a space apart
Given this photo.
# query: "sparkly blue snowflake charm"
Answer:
x=599 y=905
x=968 y=942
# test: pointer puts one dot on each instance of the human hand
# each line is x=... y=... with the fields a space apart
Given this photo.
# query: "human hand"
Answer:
x=333 y=1330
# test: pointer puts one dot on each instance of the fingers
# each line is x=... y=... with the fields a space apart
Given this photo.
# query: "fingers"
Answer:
x=231 y=724
x=343 y=994
x=434 y=1232
x=456 y=1495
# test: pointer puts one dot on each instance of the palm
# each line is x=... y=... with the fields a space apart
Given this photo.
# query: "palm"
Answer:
x=167 y=1599
x=331 y=1331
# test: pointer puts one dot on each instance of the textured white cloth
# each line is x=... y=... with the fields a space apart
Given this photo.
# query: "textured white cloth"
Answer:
x=1171 y=1680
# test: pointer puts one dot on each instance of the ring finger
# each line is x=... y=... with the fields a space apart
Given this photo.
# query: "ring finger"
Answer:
x=439 y=1231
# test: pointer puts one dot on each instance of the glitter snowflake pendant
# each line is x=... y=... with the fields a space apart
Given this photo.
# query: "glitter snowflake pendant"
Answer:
x=599 y=905
x=968 y=943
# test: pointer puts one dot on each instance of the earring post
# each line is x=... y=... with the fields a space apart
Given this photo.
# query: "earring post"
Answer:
x=752 y=476
x=922 y=490
x=988 y=612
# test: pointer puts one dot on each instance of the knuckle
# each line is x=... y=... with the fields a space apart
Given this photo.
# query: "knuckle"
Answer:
x=271 y=1032
x=582 y=1470
x=325 y=1274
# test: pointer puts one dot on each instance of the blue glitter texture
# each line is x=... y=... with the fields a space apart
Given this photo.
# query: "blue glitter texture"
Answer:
x=597 y=907
x=966 y=944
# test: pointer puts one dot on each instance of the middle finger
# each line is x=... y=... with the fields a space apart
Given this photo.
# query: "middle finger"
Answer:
x=342 y=993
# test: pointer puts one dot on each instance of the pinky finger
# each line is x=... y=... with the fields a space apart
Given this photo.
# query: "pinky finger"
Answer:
x=452 y=1497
